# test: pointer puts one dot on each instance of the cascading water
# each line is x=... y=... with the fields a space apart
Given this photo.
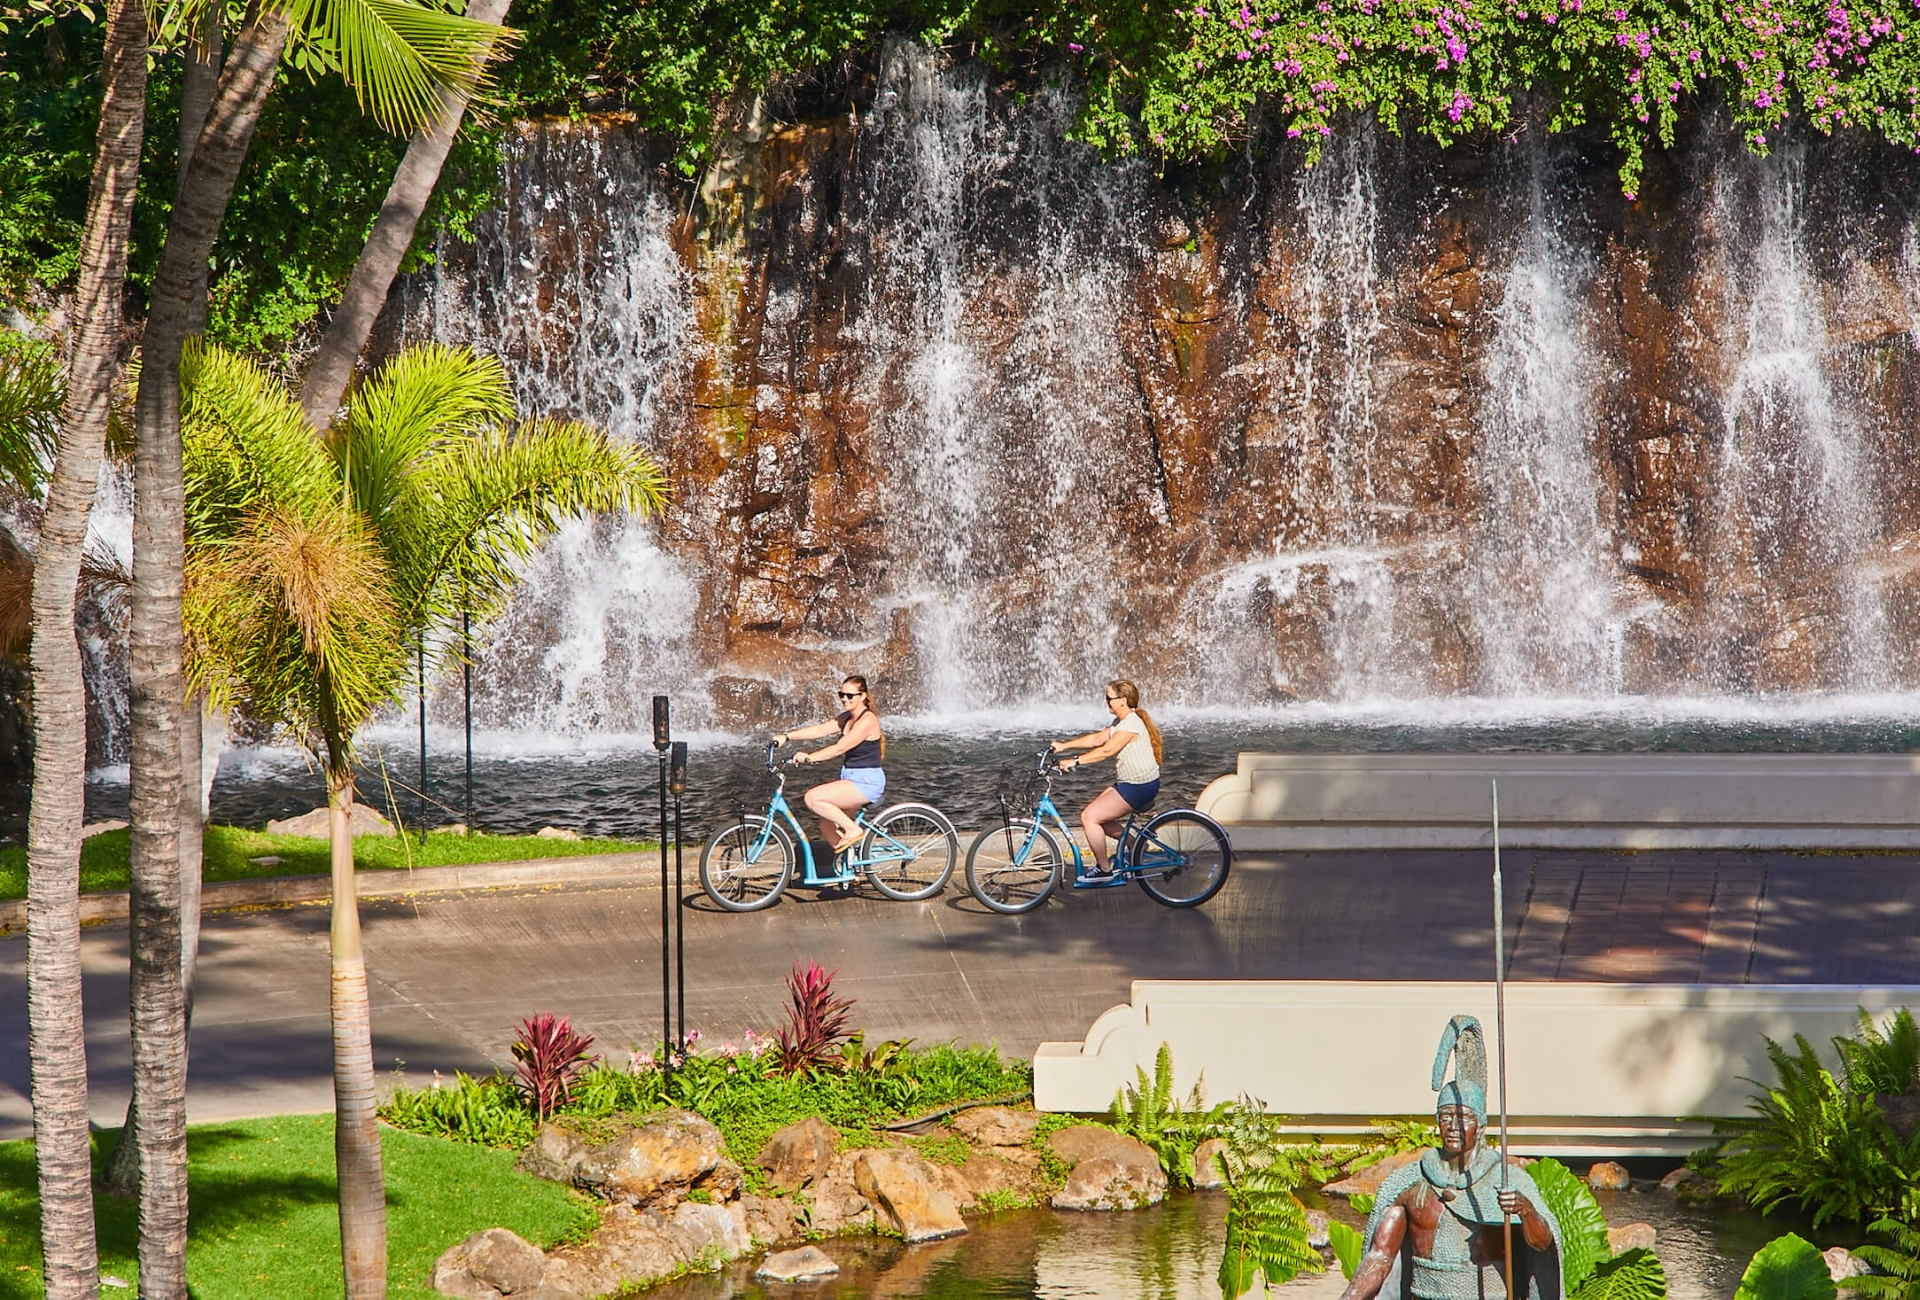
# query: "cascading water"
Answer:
x=947 y=398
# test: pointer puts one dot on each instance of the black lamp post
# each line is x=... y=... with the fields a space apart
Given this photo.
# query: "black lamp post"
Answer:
x=662 y=742
x=678 y=768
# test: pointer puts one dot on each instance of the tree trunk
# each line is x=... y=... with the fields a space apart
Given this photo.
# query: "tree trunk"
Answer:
x=155 y=653
x=197 y=88
x=325 y=386
x=356 y=1132
x=57 y=1041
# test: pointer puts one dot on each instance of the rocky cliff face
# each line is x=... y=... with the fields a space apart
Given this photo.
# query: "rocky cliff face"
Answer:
x=950 y=401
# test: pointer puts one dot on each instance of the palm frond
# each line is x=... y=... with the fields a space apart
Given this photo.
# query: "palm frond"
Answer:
x=246 y=445
x=476 y=508
x=425 y=394
x=398 y=55
x=31 y=391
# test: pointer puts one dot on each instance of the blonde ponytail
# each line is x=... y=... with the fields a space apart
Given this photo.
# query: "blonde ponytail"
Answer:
x=1131 y=694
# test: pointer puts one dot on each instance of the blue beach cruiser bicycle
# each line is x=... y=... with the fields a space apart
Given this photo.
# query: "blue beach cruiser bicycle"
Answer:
x=1178 y=858
x=908 y=853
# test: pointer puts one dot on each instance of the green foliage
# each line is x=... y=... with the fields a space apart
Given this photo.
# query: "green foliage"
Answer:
x=1631 y=1275
x=1786 y=1268
x=1895 y=1259
x=1266 y=1223
x=1361 y=1203
x=1348 y=1246
x=1820 y=1141
x=1150 y=1112
x=490 y=1112
x=31 y=390
x=1583 y=1227
x=1873 y=1061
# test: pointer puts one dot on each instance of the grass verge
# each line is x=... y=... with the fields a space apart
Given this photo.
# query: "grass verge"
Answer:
x=265 y=1218
x=230 y=852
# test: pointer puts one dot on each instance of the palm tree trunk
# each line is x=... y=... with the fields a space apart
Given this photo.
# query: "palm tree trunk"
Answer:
x=155 y=654
x=325 y=385
x=356 y=1132
x=57 y=1027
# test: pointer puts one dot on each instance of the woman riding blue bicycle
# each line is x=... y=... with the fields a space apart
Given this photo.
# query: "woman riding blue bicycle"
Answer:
x=861 y=750
x=1133 y=742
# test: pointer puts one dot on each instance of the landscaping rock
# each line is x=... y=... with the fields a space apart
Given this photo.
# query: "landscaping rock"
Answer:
x=1103 y=1184
x=364 y=821
x=1842 y=1263
x=799 y=1154
x=554 y=1154
x=792 y=1265
x=1901 y=1110
x=898 y=1185
x=1367 y=1182
x=1631 y=1236
x=1206 y=1166
x=1088 y=1142
x=1317 y=1235
x=709 y=1232
x=555 y=833
x=549 y=1293
x=838 y=1206
x=663 y=1157
x=723 y=1182
x=996 y=1126
x=992 y=1171
x=630 y=1246
x=488 y=1265
x=1606 y=1176
x=769 y=1218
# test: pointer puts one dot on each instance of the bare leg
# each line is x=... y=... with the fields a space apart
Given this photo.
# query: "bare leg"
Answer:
x=833 y=802
x=1107 y=809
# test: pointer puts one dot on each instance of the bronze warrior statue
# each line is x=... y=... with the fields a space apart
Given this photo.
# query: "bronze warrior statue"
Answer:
x=1437 y=1231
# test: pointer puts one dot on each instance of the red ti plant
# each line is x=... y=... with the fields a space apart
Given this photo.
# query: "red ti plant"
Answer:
x=816 y=1022
x=550 y=1055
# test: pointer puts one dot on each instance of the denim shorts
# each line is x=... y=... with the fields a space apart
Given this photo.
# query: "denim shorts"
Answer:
x=869 y=781
x=1139 y=796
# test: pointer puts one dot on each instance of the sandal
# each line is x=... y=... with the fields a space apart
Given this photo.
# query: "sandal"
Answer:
x=852 y=839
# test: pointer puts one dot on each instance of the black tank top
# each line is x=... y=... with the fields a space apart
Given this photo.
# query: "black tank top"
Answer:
x=864 y=754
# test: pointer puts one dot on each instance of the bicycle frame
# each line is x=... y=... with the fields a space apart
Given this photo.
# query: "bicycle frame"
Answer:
x=847 y=865
x=1046 y=810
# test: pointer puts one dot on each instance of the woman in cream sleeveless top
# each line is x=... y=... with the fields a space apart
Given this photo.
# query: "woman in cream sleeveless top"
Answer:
x=1133 y=743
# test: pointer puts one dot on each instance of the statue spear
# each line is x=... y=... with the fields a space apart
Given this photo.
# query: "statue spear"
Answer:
x=1500 y=1022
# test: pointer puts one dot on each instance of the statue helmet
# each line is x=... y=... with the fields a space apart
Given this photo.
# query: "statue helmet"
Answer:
x=1463 y=1041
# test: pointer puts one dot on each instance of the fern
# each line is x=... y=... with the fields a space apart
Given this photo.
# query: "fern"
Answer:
x=1149 y=1112
x=1897 y=1259
x=1633 y=1275
x=1266 y=1223
x=1875 y=1062
x=1583 y=1228
x=1786 y=1268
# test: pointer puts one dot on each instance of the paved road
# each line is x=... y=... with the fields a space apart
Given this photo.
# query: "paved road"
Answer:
x=453 y=975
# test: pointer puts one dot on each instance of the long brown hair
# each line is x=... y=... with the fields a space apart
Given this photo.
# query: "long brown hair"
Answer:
x=873 y=706
x=1131 y=694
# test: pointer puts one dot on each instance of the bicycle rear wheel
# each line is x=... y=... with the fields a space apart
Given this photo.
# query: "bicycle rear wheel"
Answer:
x=1013 y=868
x=742 y=873
x=910 y=851
x=1181 y=859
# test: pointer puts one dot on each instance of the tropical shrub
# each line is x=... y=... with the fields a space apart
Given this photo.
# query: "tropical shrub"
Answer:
x=816 y=1022
x=1266 y=1221
x=487 y=1112
x=1786 y=1268
x=1583 y=1227
x=1151 y=1113
x=1821 y=1141
x=1895 y=1259
x=549 y=1055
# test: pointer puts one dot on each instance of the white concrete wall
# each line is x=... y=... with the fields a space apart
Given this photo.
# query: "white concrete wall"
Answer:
x=1591 y=1068
x=1626 y=801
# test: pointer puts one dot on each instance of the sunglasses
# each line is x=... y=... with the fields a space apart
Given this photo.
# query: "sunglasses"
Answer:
x=1111 y=699
x=849 y=695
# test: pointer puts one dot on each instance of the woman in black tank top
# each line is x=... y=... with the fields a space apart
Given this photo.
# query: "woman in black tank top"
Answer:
x=861 y=749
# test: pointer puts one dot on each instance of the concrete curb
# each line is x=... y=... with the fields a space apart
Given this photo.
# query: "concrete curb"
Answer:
x=276 y=891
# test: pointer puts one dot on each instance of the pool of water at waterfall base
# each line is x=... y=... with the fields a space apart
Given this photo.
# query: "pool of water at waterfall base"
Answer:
x=610 y=785
x=1172 y=1252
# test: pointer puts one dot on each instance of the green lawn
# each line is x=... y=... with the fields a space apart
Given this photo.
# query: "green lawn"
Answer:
x=230 y=850
x=266 y=1222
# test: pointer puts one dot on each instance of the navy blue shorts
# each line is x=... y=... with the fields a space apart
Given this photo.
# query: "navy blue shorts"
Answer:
x=1139 y=796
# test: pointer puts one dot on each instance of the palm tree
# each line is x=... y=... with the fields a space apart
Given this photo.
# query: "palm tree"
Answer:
x=399 y=55
x=57 y=1028
x=313 y=564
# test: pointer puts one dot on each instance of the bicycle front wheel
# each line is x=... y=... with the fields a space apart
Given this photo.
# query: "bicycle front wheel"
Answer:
x=910 y=851
x=746 y=866
x=1181 y=859
x=1013 y=868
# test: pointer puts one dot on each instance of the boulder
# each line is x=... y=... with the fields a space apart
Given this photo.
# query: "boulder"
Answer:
x=897 y=1184
x=1843 y=1264
x=996 y=1126
x=554 y=1154
x=710 y=1233
x=1206 y=1163
x=660 y=1157
x=798 y=1154
x=1318 y=1236
x=1630 y=1236
x=555 y=833
x=990 y=1171
x=489 y=1264
x=1090 y=1142
x=364 y=820
x=769 y=1218
x=1103 y=1184
x=792 y=1265
x=549 y=1293
x=838 y=1206
x=1367 y=1182
x=722 y=1182
x=630 y=1246
x=1607 y=1176
x=1901 y=1110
